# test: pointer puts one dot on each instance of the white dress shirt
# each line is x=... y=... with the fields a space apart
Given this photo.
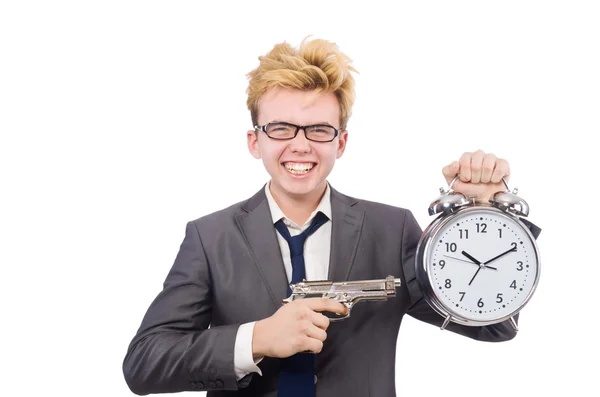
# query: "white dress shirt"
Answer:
x=316 y=263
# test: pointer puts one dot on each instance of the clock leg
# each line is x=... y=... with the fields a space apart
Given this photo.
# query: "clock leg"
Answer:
x=514 y=323
x=446 y=321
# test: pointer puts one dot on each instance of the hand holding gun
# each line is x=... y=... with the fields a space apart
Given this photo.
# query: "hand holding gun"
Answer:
x=345 y=292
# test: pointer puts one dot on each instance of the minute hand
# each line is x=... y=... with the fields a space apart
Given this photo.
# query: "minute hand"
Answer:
x=502 y=254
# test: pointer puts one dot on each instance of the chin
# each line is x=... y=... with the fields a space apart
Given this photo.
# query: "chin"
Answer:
x=301 y=187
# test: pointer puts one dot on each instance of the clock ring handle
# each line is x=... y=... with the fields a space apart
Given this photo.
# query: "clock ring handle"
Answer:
x=515 y=190
x=442 y=191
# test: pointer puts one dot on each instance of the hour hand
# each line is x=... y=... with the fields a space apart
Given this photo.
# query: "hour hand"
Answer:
x=470 y=257
x=476 y=261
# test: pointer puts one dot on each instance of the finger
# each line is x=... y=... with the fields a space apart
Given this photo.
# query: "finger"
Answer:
x=314 y=345
x=465 y=167
x=487 y=169
x=320 y=320
x=325 y=305
x=316 y=333
x=476 y=165
x=450 y=171
x=502 y=170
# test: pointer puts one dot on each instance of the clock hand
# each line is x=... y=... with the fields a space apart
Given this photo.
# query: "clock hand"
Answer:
x=502 y=254
x=480 y=267
x=458 y=259
x=471 y=262
x=471 y=258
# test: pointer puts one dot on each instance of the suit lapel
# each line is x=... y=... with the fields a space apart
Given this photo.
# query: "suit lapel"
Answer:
x=257 y=228
x=345 y=233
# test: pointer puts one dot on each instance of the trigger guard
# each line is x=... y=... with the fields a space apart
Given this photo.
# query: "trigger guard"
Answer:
x=337 y=317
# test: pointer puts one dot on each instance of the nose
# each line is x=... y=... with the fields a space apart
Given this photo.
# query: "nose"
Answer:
x=300 y=143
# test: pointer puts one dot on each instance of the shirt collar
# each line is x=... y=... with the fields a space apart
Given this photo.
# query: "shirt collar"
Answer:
x=277 y=214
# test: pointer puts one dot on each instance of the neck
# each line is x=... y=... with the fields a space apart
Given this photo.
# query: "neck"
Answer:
x=298 y=207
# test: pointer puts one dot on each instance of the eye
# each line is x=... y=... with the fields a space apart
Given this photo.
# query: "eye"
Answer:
x=279 y=128
x=320 y=129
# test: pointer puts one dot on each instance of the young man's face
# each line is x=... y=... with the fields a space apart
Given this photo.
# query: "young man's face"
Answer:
x=287 y=161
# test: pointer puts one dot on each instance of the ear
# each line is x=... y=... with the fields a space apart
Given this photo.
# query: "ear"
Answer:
x=341 y=144
x=253 y=144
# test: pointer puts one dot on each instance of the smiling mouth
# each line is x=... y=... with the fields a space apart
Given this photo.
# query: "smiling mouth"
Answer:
x=299 y=168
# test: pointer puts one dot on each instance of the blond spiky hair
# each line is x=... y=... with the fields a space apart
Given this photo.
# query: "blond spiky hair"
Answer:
x=317 y=65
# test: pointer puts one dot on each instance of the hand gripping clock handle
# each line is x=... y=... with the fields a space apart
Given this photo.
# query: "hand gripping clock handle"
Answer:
x=458 y=175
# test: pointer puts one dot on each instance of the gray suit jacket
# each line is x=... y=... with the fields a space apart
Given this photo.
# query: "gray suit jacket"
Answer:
x=229 y=271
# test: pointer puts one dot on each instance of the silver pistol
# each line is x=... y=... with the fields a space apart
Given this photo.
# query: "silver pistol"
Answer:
x=346 y=292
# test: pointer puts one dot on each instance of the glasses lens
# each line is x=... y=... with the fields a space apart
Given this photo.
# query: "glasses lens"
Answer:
x=280 y=130
x=320 y=132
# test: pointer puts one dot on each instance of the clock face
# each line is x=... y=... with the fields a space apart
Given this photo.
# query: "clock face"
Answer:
x=482 y=265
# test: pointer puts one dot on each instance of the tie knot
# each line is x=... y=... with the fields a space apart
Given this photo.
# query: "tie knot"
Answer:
x=296 y=243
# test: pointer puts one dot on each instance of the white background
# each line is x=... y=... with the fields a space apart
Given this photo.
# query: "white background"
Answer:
x=122 y=120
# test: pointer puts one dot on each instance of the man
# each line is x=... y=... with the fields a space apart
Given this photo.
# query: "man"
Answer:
x=219 y=323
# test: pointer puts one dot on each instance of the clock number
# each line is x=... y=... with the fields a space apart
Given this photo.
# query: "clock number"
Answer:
x=448 y=283
x=499 y=298
x=500 y=231
x=480 y=303
x=466 y=233
x=481 y=227
x=513 y=285
x=463 y=295
x=514 y=245
x=442 y=263
x=520 y=265
x=451 y=247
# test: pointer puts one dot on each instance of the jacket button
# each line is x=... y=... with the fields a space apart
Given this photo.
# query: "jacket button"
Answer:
x=315 y=379
x=198 y=385
x=212 y=384
x=219 y=383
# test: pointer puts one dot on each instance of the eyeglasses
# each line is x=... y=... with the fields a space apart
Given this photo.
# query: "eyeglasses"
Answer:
x=284 y=131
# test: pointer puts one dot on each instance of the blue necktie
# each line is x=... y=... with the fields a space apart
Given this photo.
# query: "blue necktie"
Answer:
x=297 y=375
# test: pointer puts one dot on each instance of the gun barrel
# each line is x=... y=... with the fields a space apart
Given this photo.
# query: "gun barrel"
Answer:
x=367 y=288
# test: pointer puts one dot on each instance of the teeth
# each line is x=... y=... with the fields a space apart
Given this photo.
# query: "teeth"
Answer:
x=299 y=168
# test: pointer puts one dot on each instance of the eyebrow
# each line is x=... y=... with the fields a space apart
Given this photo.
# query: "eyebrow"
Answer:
x=317 y=123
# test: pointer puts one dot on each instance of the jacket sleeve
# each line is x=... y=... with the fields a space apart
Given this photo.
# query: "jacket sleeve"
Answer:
x=420 y=309
x=174 y=349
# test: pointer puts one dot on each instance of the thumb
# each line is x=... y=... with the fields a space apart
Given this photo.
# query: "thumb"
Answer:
x=450 y=171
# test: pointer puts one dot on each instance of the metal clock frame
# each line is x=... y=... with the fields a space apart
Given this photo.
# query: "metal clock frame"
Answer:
x=424 y=277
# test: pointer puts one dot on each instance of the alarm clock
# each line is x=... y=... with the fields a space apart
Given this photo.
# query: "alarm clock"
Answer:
x=478 y=263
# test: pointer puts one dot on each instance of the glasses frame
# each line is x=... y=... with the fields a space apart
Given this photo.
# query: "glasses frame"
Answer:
x=263 y=128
